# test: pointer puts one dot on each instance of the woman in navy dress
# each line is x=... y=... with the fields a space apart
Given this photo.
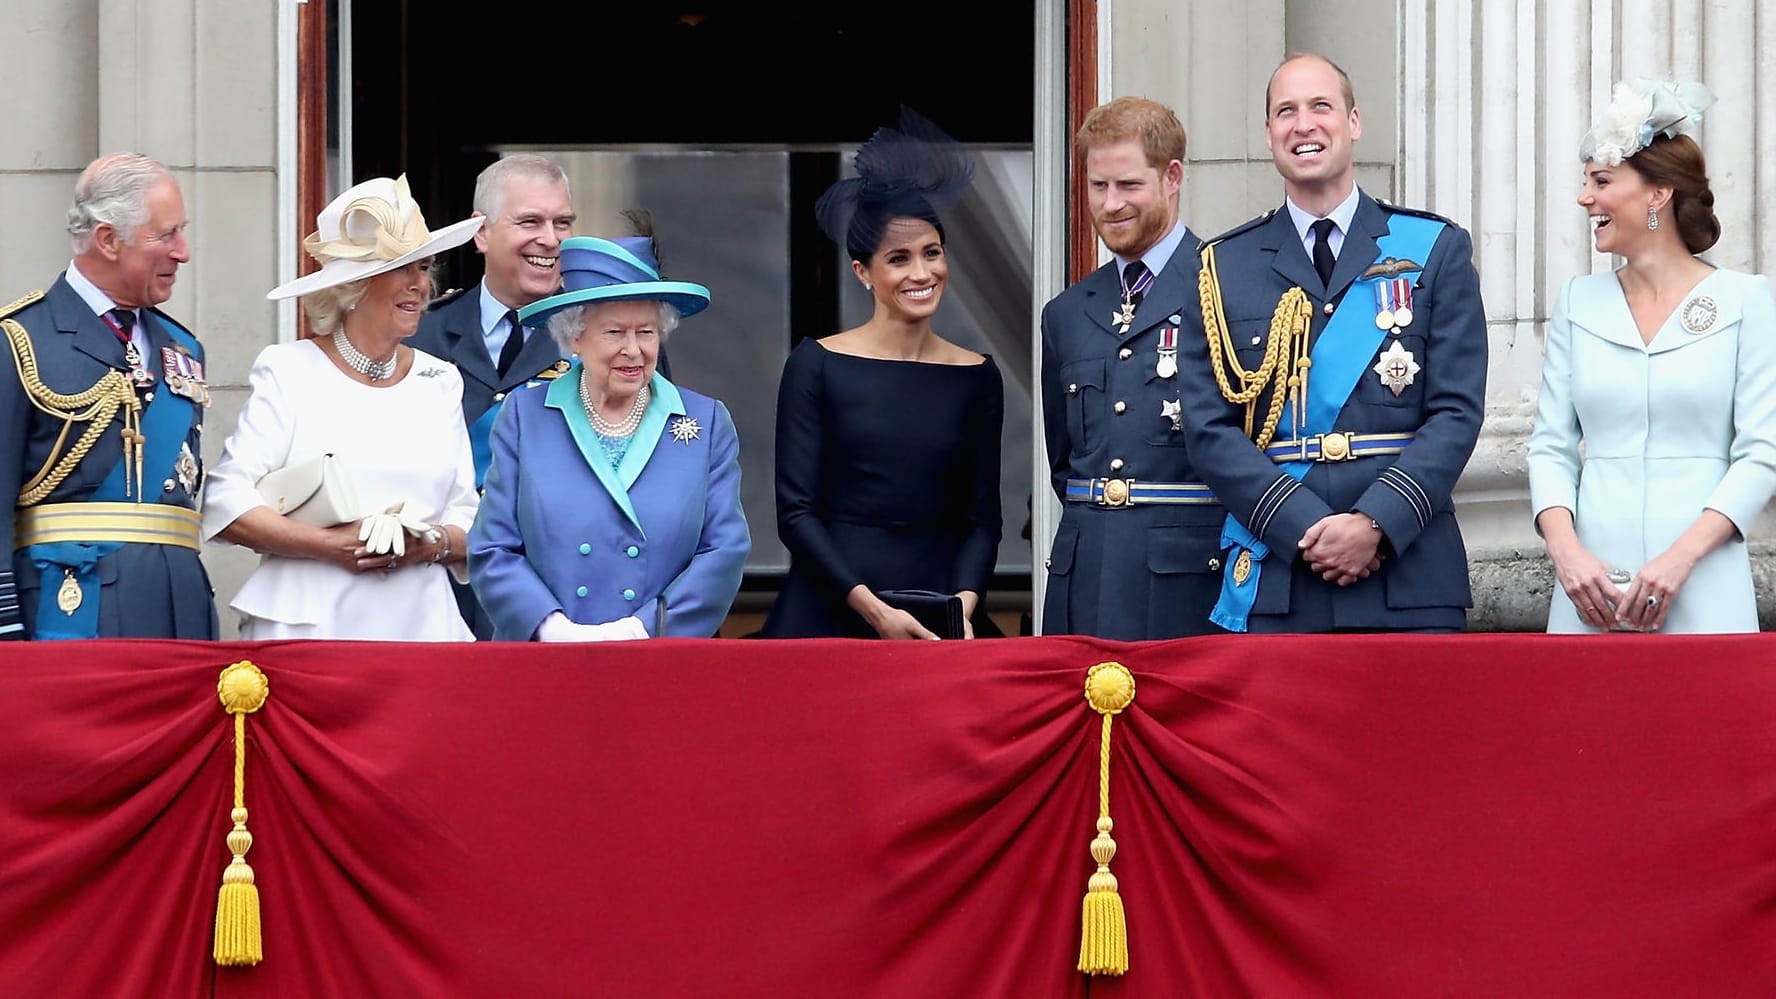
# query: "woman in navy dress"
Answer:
x=888 y=434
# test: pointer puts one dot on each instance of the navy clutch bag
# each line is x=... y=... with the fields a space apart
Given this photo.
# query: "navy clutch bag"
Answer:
x=940 y=613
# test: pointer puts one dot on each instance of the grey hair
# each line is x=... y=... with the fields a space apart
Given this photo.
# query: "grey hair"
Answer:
x=490 y=186
x=567 y=325
x=113 y=190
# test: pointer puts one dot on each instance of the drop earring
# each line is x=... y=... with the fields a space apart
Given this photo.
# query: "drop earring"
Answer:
x=1652 y=217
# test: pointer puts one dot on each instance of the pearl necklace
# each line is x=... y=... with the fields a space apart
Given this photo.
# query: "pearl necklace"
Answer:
x=602 y=426
x=358 y=361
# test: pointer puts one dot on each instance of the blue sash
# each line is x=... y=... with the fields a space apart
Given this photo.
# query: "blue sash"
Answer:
x=165 y=423
x=481 y=442
x=1341 y=355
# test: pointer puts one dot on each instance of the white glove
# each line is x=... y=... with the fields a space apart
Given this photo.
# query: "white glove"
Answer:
x=420 y=529
x=381 y=532
x=557 y=628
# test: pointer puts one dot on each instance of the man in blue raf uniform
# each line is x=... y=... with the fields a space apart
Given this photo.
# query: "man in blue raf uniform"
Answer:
x=101 y=404
x=1138 y=549
x=529 y=211
x=1337 y=384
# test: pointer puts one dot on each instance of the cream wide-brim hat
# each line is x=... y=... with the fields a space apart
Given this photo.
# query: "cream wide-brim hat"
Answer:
x=372 y=228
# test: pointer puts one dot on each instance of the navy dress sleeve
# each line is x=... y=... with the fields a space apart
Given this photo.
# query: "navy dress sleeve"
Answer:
x=801 y=453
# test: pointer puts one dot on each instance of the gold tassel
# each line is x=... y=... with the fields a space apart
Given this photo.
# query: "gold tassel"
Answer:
x=243 y=689
x=1103 y=938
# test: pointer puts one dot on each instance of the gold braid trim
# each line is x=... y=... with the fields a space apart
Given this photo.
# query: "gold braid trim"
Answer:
x=1286 y=360
x=96 y=407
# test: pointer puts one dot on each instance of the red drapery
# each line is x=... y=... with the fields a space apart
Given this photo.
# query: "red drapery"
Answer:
x=1353 y=816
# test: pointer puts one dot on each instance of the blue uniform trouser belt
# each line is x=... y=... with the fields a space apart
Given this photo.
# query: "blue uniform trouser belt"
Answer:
x=1338 y=447
x=1129 y=492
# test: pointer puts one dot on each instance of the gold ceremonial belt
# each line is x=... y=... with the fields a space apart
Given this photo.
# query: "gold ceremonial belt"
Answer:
x=99 y=523
x=1338 y=447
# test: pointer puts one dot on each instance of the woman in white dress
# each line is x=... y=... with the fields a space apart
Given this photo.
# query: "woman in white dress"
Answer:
x=1654 y=448
x=390 y=415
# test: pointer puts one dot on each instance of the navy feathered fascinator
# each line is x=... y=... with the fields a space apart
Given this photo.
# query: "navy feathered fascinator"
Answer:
x=915 y=171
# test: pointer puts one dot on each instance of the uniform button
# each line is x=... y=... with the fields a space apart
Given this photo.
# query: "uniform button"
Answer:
x=1120 y=407
x=585 y=549
x=580 y=592
x=167 y=485
x=1048 y=563
x=1327 y=308
x=1073 y=388
x=1124 y=354
x=1116 y=464
x=1257 y=340
x=147 y=396
x=632 y=551
x=628 y=594
x=1214 y=565
x=499 y=397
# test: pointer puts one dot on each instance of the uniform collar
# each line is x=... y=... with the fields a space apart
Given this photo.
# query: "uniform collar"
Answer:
x=89 y=293
x=1340 y=216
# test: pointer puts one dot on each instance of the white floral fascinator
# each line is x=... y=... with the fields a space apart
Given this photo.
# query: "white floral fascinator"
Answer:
x=1640 y=110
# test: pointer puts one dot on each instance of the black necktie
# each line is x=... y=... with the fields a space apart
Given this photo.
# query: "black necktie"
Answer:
x=125 y=322
x=514 y=343
x=1133 y=287
x=1323 y=259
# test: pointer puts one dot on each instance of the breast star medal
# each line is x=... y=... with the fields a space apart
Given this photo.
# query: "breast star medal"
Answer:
x=1699 y=314
x=684 y=430
x=186 y=469
x=1173 y=410
x=1396 y=367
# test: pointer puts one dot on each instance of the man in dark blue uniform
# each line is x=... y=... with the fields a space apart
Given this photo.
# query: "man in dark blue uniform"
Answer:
x=101 y=406
x=529 y=211
x=1137 y=552
x=1336 y=389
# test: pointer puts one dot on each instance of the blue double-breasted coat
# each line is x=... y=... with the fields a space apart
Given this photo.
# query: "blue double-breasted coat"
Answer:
x=662 y=538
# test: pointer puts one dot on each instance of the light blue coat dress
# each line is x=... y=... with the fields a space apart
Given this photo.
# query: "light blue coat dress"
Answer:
x=1669 y=429
x=663 y=537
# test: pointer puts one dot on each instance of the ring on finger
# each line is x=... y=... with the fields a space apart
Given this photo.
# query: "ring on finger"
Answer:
x=392 y=562
x=1652 y=601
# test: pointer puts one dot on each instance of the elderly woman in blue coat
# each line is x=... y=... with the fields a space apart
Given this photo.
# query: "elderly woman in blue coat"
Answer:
x=612 y=506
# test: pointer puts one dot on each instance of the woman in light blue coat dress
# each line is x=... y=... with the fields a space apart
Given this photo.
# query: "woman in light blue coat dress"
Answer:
x=612 y=506
x=1665 y=371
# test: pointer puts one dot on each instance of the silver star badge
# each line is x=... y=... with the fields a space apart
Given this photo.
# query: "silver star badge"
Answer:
x=684 y=430
x=1396 y=367
x=1173 y=410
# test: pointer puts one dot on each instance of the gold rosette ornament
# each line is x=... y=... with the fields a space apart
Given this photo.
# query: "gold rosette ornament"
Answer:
x=1103 y=940
x=243 y=689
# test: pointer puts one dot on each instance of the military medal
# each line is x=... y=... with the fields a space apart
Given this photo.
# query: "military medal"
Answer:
x=1168 y=353
x=1173 y=410
x=186 y=469
x=1393 y=304
x=1125 y=316
x=68 y=595
x=1242 y=568
x=684 y=430
x=1396 y=367
x=184 y=375
x=1699 y=314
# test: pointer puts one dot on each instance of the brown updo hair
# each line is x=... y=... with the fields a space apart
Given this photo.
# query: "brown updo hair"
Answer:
x=1676 y=162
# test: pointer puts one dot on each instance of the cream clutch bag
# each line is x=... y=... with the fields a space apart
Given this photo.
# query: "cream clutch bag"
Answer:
x=317 y=491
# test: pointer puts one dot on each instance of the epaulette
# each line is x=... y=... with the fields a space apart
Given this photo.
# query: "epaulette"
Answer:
x=1236 y=230
x=445 y=298
x=20 y=304
x=1420 y=212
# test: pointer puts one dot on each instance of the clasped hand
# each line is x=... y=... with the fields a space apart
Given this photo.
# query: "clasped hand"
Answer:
x=1342 y=547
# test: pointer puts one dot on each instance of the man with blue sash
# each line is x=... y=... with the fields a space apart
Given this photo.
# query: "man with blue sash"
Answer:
x=101 y=410
x=1137 y=553
x=1341 y=345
